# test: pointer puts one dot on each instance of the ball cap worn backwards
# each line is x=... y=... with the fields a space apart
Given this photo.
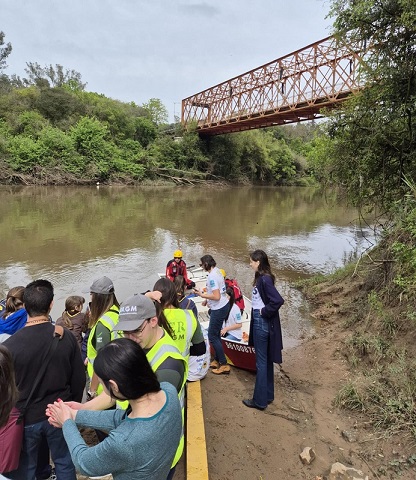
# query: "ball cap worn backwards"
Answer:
x=134 y=311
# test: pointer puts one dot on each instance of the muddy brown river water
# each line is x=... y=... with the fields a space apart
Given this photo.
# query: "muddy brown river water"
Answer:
x=73 y=235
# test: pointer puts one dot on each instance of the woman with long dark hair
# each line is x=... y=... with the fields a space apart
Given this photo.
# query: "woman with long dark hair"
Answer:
x=231 y=328
x=8 y=389
x=104 y=312
x=265 y=330
x=187 y=332
x=142 y=441
x=216 y=299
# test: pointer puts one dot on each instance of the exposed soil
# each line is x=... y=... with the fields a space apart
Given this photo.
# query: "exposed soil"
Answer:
x=248 y=444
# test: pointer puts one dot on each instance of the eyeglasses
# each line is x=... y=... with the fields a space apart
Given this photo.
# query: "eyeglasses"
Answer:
x=177 y=258
x=139 y=330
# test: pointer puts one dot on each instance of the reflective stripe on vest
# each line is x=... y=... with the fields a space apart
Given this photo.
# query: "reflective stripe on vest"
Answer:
x=165 y=348
x=109 y=320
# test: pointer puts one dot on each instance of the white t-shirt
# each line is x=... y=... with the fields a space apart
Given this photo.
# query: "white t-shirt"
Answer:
x=215 y=281
x=256 y=301
x=234 y=318
x=199 y=365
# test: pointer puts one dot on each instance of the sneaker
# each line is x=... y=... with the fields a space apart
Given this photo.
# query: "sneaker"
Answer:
x=52 y=475
x=222 y=370
x=214 y=364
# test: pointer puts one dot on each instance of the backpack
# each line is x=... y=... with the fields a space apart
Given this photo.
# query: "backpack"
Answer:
x=239 y=300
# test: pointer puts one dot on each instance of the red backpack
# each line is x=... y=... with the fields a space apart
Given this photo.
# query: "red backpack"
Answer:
x=239 y=300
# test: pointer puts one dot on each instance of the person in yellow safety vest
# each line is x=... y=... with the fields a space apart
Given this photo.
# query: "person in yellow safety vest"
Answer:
x=139 y=322
x=187 y=330
x=104 y=314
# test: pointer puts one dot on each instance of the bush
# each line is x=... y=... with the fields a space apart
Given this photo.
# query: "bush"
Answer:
x=25 y=153
x=59 y=149
x=30 y=123
x=90 y=138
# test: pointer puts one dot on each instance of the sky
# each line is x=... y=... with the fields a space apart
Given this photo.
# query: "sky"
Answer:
x=135 y=50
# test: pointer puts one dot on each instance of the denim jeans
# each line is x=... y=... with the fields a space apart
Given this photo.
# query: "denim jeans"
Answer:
x=264 y=387
x=32 y=439
x=216 y=319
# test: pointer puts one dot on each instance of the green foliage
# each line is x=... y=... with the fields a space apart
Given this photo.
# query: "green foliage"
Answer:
x=4 y=51
x=349 y=397
x=30 y=123
x=57 y=103
x=49 y=76
x=386 y=396
x=15 y=102
x=89 y=136
x=194 y=152
x=256 y=155
x=373 y=141
x=145 y=131
x=25 y=153
x=58 y=148
x=156 y=111
x=54 y=124
x=403 y=246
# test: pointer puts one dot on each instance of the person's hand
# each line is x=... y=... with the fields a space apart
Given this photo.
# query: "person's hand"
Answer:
x=58 y=413
x=223 y=331
x=197 y=292
x=204 y=303
x=74 y=405
x=155 y=295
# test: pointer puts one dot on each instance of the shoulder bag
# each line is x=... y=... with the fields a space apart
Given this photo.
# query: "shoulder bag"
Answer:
x=11 y=434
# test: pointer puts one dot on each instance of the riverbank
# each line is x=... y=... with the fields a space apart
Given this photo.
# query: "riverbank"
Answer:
x=249 y=444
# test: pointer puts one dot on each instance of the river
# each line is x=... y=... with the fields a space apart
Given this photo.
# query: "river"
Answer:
x=73 y=235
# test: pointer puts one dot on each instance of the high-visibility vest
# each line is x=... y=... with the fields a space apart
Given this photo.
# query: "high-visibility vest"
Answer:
x=183 y=324
x=163 y=349
x=109 y=320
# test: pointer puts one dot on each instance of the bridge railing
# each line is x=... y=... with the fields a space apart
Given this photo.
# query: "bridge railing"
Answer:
x=292 y=88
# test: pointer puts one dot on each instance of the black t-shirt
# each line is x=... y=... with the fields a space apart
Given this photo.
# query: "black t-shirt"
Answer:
x=64 y=377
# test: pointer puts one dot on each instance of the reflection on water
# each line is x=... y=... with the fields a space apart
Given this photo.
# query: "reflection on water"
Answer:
x=73 y=235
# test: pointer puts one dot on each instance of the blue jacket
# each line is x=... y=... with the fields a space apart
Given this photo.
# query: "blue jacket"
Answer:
x=272 y=301
x=14 y=322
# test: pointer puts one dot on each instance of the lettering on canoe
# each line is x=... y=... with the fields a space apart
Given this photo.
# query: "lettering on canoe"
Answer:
x=239 y=347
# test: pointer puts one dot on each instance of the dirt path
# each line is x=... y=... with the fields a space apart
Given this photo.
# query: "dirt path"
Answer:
x=248 y=444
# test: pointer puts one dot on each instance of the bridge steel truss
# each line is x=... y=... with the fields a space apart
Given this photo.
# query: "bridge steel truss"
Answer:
x=293 y=88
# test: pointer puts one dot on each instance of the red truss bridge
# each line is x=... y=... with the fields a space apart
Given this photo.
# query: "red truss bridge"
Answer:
x=293 y=88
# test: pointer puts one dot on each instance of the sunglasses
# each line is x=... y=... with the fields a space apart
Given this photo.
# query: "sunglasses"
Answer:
x=139 y=330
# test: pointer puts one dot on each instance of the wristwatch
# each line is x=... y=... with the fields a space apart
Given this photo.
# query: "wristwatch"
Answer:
x=91 y=395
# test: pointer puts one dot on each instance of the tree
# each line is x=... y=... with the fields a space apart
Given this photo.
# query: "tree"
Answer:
x=374 y=139
x=4 y=51
x=156 y=111
x=57 y=103
x=145 y=131
x=49 y=76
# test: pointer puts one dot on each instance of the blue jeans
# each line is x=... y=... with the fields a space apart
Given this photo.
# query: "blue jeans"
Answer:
x=32 y=439
x=216 y=319
x=264 y=387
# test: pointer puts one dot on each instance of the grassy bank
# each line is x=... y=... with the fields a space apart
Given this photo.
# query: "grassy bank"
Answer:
x=373 y=301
